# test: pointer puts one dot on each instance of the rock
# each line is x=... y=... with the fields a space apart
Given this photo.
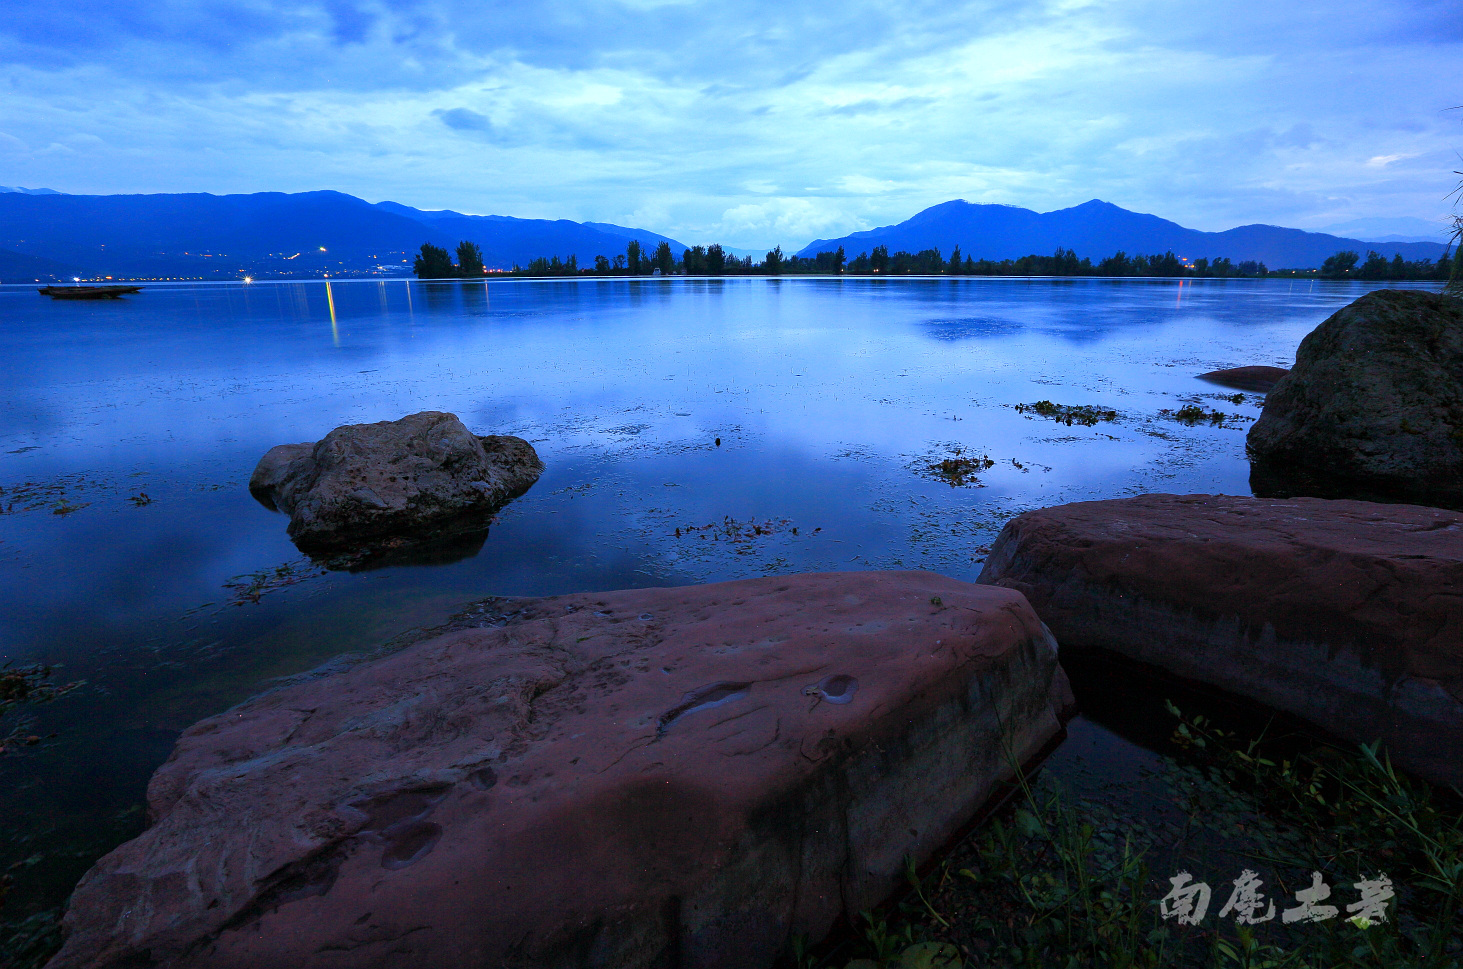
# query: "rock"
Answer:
x=272 y=469
x=1373 y=407
x=418 y=478
x=1346 y=613
x=1258 y=380
x=652 y=777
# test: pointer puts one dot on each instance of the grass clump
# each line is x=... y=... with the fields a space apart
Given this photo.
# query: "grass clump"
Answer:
x=1069 y=414
x=1062 y=880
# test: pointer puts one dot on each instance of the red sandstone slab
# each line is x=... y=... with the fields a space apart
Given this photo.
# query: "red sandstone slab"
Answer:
x=1347 y=613
x=685 y=776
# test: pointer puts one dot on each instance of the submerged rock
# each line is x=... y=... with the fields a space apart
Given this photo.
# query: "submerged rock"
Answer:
x=1373 y=408
x=1257 y=380
x=687 y=776
x=1346 y=613
x=418 y=478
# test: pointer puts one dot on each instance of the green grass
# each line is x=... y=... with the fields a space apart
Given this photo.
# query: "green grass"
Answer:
x=1063 y=880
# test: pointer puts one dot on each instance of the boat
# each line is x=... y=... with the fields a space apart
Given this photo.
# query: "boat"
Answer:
x=87 y=292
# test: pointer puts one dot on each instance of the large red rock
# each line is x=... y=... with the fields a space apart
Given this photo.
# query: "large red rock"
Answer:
x=657 y=777
x=1346 y=613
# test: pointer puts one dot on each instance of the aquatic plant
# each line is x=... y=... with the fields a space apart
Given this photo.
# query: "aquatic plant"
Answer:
x=959 y=471
x=1192 y=414
x=1069 y=414
x=25 y=685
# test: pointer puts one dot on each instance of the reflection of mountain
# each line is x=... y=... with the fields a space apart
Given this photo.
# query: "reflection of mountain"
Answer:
x=306 y=234
x=1097 y=229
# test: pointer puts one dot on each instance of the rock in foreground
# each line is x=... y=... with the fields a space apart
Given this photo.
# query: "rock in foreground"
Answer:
x=1373 y=407
x=1257 y=380
x=653 y=777
x=1346 y=613
x=414 y=477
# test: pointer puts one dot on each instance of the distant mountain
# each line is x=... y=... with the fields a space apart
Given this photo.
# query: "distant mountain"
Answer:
x=1097 y=229
x=272 y=233
x=16 y=267
x=506 y=240
x=1400 y=229
x=29 y=191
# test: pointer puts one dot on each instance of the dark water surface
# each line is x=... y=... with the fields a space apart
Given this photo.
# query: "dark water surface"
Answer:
x=174 y=594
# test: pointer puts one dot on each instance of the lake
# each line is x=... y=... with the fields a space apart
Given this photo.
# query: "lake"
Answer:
x=693 y=431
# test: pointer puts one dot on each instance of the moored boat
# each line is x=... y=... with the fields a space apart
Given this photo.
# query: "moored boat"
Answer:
x=87 y=292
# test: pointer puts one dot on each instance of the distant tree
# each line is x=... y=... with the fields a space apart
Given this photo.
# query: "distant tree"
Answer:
x=1337 y=266
x=879 y=259
x=773 y=263
x=601 y=265
x=433 y=262
x=632 y=257
x=469 y=260
x=693 y=261
x=664 y=260
x=838 y=260
x=1398 y=268
x=1375 y=267
x=955 y=264
x=1118 y=264
x=716 y=260
x=620 y=262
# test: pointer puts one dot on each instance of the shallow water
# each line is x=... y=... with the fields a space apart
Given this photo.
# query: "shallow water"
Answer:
x=132 y=553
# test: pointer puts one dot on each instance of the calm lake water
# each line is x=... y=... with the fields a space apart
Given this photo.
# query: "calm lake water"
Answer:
x=132 y=553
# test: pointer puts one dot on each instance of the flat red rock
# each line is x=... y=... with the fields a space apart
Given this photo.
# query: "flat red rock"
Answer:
x=1259 y=380
x=1346 y=613
x=687 y=776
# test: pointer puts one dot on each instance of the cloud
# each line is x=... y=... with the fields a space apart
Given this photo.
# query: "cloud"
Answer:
x=463 y=119
x=754 y=123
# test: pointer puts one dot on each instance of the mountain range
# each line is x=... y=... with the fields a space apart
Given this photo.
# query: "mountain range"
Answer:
x=269 y=233
x=49 y=235
x=1097 y=229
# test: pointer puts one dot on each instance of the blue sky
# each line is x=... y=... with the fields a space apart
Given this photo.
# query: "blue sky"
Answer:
x=748 y=122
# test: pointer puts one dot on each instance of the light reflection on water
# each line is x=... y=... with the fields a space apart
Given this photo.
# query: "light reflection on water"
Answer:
x=829 y=397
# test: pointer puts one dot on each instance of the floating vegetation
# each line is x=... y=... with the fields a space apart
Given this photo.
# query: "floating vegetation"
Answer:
x=1069 y=414
x=253 y=586
x=958 y=472
x=140 y=499
x=731 y=530
x=1191 y=414
x=26 y=685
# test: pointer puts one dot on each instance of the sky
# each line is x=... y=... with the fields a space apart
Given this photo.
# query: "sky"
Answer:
x=749 y=122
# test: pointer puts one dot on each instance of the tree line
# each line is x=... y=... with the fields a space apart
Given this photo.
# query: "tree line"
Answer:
x=434 y=262
x=1343 y=265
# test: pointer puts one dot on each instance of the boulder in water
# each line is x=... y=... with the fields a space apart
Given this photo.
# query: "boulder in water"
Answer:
x=414 y=479
x=1373 y=408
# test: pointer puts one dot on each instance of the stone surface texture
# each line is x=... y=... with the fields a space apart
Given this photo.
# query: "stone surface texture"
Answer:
x=1258 y=380
x=365 y=482
x=1346 y=613
x=656 y=777
x=1373 y=407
